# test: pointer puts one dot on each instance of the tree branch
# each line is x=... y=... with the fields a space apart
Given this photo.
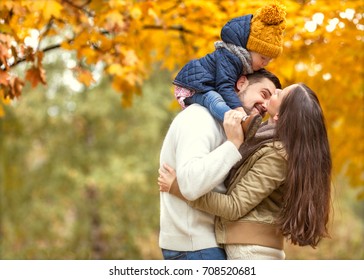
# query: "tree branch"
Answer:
x=173 y=28
x=152 y=27
x=47 y=49
x=81 y=7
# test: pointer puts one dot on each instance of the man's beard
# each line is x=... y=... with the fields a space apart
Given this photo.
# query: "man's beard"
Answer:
x=256 y=107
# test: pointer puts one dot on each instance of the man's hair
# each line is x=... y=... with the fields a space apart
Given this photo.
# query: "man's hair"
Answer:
x=261 y=74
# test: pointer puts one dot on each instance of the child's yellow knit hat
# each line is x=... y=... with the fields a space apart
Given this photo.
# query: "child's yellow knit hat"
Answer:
x=266 y=30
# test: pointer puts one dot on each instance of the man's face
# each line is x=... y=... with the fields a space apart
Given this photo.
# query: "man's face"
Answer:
x=255 y=96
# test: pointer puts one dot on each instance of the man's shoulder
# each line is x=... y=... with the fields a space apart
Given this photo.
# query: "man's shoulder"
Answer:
x=194 y=111
x=198 y=117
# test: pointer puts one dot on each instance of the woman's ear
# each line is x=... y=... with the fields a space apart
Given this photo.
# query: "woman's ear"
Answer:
x=276 y=117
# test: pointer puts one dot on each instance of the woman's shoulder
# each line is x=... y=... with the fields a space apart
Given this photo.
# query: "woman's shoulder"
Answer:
x=275 y=147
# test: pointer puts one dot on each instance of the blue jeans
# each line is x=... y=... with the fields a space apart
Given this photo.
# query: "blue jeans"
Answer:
x=214 y=253
x=213 y=101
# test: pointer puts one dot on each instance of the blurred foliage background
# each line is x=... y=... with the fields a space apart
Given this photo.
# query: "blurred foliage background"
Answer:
x=79 y=161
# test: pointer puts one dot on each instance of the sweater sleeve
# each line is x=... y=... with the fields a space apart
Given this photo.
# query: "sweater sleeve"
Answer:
x=228 y=70
x=266 y=175
x=203 y=156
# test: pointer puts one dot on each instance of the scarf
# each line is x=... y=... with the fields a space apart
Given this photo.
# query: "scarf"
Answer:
x=264 y=135
x=240 y=52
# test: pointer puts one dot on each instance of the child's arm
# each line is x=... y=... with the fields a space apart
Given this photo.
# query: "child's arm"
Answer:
x=167 y=181
x=228 y=71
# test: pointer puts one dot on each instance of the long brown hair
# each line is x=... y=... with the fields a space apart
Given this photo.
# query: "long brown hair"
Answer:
x=306 y=201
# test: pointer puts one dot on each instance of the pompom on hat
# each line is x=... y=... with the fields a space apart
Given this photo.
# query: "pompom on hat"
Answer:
x=266 y=30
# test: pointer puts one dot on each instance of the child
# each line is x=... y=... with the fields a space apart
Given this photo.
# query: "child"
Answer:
x=248 y=44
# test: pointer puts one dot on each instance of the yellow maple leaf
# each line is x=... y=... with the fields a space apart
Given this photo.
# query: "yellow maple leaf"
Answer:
x=115 y=69
x=130 y=58
x=50 y=8
x=136 y=13
x=85 y=77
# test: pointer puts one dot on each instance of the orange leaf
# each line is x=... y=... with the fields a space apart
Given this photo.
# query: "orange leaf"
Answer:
x=35 y=75
x=85 y=77
x=4 y=78
x=16 y=86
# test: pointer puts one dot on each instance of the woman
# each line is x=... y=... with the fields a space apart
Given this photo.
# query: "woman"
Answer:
x=281 y=187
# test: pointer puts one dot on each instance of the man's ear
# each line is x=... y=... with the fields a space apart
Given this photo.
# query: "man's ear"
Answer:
x=242 y=83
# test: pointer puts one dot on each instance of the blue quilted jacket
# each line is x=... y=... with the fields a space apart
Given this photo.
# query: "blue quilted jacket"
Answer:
x=220 y=69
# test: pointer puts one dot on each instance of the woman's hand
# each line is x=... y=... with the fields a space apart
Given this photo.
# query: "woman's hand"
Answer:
x=166 y=177
x=167 y=181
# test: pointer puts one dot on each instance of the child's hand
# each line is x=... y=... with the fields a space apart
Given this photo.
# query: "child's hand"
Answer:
x=167 y=175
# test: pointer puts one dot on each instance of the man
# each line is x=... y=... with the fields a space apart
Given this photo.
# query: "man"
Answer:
x=203 y=152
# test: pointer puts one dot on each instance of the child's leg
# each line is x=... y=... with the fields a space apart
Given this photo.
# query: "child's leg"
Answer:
x=213 y=101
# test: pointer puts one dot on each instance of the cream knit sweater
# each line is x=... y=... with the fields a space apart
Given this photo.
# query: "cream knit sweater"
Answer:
x=196 y=147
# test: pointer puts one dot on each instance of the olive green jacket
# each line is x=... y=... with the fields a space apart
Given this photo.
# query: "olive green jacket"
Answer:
x=247 y=213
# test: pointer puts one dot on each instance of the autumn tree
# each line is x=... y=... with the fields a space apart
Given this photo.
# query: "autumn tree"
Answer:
x=323 y=48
